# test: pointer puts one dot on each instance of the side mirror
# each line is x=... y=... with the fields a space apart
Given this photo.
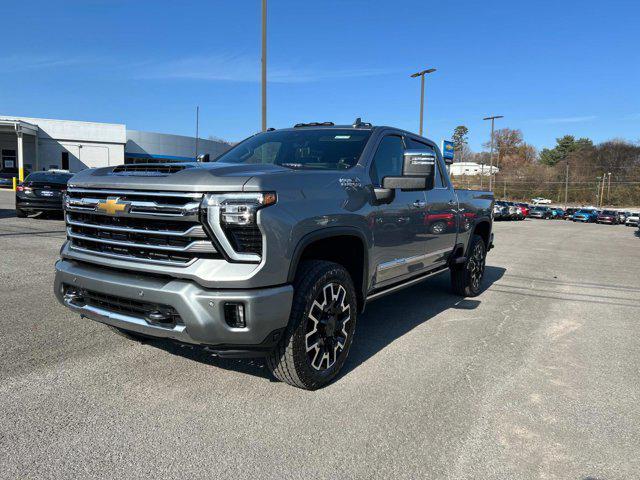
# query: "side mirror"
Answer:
x=204 y=158
x=420 y=163
x=418 y=171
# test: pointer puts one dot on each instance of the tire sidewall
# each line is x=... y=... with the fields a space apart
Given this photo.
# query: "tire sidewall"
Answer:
x=306 y=372
x=477 y=242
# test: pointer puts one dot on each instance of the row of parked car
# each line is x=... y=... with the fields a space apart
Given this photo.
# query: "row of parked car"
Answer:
x=504 y=210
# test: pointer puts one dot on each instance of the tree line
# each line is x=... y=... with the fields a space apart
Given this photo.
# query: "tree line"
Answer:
x=575 y=167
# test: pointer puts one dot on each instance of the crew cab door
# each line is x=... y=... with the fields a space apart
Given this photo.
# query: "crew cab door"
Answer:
x=442 y=216
x=398 y=227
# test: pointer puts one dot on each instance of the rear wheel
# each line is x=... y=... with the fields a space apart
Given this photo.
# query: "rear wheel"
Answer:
x=20 y=213
x=321 y=327
x=466 y=279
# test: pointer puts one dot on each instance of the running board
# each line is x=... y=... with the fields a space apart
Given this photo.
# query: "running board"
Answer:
x=408 y=283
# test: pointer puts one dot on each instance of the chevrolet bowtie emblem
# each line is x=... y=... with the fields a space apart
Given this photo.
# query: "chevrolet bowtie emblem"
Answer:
x=112 y=206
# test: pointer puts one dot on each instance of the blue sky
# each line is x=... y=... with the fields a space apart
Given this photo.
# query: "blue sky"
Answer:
x=552 y=68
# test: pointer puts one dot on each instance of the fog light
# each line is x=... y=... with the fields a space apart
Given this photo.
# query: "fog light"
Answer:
x=74 y=296
x=234 y=315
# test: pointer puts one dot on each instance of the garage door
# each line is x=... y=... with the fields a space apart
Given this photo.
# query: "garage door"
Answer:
x=94 y=156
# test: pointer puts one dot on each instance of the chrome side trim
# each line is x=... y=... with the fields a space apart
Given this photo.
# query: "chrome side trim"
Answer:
x=195 y=246
x=400 y=266
x=408 y=283
x=195 y=231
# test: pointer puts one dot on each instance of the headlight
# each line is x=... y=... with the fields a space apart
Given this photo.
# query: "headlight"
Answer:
x=239 y=208
x=233 y=220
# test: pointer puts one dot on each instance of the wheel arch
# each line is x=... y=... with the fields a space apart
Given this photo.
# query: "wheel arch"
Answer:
x=482 y=228
x=321 y=245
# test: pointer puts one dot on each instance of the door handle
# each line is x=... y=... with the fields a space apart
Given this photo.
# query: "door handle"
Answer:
x=419 y=204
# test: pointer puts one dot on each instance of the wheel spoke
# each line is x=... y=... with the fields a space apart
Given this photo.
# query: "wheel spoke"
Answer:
x=327 y=328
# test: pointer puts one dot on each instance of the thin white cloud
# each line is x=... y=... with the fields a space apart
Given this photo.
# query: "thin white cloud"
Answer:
x=586 y=118
x=242 y=68
x=25 y=62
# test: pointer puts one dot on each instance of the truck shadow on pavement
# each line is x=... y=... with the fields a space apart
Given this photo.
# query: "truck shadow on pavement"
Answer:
x=389 y=318
x=383 y=322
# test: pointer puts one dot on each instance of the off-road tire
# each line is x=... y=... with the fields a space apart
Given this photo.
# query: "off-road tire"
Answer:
x=289 y=362
x=462 y=276
x=21 y=213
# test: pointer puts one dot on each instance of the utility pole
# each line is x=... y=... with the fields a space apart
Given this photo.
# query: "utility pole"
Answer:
x=566 y=184
x=609 y=190
x=264 y=65
x=491 y=157
x=197 y=128
x=421 y=75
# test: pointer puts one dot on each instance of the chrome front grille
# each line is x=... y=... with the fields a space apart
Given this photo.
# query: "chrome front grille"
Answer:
x=155 y=227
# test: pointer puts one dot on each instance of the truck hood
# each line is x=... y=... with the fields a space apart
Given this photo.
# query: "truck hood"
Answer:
x=190 y=177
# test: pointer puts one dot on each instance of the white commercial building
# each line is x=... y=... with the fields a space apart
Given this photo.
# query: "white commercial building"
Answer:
x=472 y=168
x=42 y=144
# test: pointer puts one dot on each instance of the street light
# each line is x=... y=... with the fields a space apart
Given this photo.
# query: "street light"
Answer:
x=491 y=157
x=264 y=65
x=421 y=75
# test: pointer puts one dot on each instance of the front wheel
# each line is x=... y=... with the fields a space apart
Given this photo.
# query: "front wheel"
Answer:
x=321 y=326
x=466 y=279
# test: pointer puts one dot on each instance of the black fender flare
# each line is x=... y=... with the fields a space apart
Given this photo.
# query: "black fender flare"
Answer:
x=329 y=232
x=480 y=221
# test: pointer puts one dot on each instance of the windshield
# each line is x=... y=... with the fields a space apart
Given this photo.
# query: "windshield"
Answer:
x=321 y=149
x=48 y=177
x=608 y=212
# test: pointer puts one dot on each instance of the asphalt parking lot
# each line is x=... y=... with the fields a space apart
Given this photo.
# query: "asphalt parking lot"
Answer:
x=538 y=377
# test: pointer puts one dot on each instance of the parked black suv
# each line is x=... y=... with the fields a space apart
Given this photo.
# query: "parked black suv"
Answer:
x=41 y=191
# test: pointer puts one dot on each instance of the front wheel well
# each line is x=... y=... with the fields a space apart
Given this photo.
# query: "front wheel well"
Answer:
x=346 y=250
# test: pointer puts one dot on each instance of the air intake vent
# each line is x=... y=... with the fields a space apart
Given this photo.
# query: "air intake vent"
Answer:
x=149 y=169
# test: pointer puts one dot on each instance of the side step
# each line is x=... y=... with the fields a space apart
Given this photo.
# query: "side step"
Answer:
x=408 y=283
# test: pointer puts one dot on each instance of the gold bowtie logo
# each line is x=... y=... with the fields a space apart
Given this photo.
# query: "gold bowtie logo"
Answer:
x=112 y=206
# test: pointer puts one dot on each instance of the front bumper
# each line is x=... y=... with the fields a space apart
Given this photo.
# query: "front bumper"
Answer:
x=201 y=310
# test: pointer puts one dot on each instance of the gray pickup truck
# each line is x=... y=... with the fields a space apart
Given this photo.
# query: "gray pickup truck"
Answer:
x=275 y=248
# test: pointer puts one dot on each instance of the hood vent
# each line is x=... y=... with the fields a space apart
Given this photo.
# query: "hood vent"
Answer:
x=149 y=169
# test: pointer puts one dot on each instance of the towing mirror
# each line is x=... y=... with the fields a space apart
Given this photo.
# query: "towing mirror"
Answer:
x=418 y=170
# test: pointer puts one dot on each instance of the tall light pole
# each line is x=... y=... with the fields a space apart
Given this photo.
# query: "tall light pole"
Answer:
x=197 y=128
x=566 y=184
x=264 y=65
x=491 y=156
x=421 y=75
